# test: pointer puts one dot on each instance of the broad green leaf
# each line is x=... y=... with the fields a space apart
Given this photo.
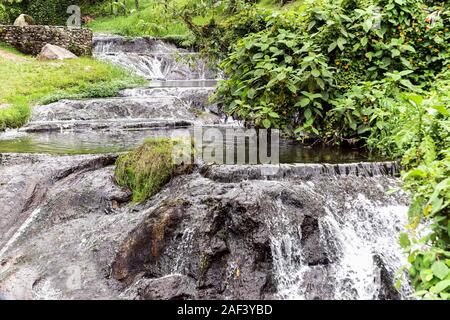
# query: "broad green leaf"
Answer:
x=404 y=240
x=315 y=73
x=440 y=270
x=292 y=88
x=258 y=56
x=426 y=274
x=308 y=114
x=364 y=41
x=304 y=102
x=442 y=110
x=274 y=114
x=415 y=99
x=251 y=93
x=440 y=286
x=281 y=76
x=420 y=293
x=341 y=42
x=367 y=25
x=395 y=53
x=332 y=47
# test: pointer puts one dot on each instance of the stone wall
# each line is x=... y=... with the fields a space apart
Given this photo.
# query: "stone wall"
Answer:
x=31 y=39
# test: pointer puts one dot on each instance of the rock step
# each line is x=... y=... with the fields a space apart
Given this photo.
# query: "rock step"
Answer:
x=191 y=91
x=109 y=125
x=150 y=108
x=237 y=173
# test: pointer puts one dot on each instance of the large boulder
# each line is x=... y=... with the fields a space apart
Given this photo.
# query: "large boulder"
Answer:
x=24 y=20
x=52 y=52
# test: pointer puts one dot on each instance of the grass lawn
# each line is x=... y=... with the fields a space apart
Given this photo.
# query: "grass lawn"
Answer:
x=25 y=82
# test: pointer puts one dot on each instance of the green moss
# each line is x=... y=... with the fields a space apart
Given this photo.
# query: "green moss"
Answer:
x=149 y=167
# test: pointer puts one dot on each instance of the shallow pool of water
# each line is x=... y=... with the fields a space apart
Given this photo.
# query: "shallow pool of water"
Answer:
x=94 y=142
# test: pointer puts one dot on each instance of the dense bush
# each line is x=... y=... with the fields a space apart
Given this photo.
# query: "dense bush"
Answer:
x=49 y=12
x=217 y=37
x=9 y=11
x=293 y=75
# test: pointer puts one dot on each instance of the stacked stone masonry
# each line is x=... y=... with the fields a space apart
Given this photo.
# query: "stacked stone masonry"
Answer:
x=31 y=39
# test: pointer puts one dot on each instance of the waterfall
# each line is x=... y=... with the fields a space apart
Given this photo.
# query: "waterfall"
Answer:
x=359 y=239
x=153 y=59
x=288 y=261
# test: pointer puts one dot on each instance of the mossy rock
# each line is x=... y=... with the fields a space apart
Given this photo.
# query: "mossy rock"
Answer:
x=148 y=168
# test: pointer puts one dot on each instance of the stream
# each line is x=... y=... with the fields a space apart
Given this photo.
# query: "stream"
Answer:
x=321 y=225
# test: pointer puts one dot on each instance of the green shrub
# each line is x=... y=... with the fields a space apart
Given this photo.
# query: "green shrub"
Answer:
x=50 y=12
x=9 y=11
x=277 y=80
x=146 y=169
x=362 y=70
x=417 y=128
x=298 y=74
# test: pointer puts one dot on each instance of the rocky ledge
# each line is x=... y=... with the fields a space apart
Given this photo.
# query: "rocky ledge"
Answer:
x=69 y=232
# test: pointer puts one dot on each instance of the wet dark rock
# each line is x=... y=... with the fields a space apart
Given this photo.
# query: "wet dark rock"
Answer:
x=109 y=125
x=306 y=171
x=172 y=287
x=144 y=246
x=312 y=246
x=58 y=210
x=118 y=44
x=25 y=182
x=229 y=252
x=318 y=283
x=387 y=290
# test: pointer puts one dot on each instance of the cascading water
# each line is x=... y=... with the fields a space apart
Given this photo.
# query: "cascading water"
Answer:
x=316 y=231
x=359 y=236
x=153 y=59
x=365 y=232
x=288 y=261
